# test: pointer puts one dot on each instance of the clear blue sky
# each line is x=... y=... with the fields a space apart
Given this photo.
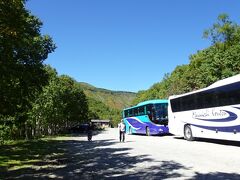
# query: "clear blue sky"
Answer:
x=126 y=44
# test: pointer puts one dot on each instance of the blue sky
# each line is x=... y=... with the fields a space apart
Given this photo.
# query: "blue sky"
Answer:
x=126 y=44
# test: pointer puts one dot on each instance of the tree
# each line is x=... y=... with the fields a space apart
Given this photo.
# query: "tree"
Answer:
x=219 y=61
x=61 y=104
x=22 y=52
x=223 y=31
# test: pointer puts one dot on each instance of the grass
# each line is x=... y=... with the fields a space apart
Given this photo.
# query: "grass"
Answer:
x=17 y=155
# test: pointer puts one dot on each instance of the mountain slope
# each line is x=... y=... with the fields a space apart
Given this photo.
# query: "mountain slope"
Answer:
x=113 y=99
x=106 y=104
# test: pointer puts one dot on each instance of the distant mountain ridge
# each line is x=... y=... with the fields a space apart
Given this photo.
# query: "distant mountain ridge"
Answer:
x=113 y=99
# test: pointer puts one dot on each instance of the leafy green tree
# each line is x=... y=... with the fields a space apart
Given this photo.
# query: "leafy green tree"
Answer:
x=219 y=61
x=61 y=104
x=223 y=31
x=76 y=105
x=22 y=52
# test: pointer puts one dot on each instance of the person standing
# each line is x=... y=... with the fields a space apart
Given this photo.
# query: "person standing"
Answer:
x=122 y=129
x=89 y=131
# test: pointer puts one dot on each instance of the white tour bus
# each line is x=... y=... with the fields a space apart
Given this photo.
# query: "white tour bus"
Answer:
x=212 y=112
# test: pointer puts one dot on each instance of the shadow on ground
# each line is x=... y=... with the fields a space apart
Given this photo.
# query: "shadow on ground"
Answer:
x=52 y=159
x=217 y=175
x=214 y=141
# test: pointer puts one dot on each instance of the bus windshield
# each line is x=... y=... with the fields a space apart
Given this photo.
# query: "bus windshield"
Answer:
x=160 y=113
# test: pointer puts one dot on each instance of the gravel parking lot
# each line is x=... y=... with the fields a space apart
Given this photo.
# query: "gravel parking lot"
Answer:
x=165 y=157
x=140 y=157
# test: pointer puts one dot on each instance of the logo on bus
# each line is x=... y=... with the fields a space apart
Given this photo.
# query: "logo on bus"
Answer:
x=214 y=115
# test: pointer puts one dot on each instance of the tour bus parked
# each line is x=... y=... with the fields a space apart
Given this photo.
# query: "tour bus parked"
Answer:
x=212 y=112
x=148 y=117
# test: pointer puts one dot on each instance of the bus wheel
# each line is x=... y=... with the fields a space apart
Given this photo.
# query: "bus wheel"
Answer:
x=147 y=131
x=188 y=133
x=130 y=130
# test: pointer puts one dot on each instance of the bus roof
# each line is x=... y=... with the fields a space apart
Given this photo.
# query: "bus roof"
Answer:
x=225 y=81
x=222 y=82
x=154 y=101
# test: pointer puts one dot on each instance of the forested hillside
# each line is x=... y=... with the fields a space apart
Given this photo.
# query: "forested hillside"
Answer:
x=106 y=104
x=115 y=99
x=219 y=61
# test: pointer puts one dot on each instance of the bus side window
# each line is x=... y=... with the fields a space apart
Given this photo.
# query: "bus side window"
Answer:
x=149 y=108
x=126 y=113
x=141 y=110
x=135 y=110
x=149 y=111
x=130 y=112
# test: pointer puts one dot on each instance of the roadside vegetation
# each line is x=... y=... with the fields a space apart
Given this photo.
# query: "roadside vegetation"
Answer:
x=35 y=101
x=219 y=61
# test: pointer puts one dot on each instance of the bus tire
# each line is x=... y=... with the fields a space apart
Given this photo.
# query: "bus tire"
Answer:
x=130 y=130
x=147 y=131
x=188 y=133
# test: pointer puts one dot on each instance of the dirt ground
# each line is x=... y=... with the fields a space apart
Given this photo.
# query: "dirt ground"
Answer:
x=140 y=157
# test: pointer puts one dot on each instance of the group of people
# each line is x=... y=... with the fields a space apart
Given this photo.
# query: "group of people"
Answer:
x=121 y=127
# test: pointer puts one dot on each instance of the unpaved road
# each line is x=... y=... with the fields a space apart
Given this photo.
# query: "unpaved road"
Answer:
x=157 y=157
x=142 y=157
x=160 y=157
